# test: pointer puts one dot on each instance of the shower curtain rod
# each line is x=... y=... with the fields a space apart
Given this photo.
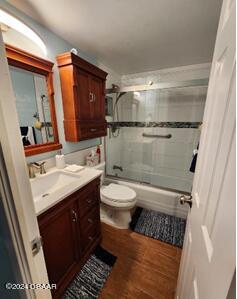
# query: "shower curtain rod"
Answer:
x=163 y=85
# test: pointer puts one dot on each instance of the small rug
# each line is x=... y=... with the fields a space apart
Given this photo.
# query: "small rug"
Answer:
x=160 y=226
x=92 y=277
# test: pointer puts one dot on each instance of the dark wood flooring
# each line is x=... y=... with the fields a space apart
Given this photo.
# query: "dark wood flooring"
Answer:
x=145 y=268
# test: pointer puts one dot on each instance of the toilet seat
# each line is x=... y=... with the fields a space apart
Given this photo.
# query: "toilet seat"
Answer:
x=118 y=193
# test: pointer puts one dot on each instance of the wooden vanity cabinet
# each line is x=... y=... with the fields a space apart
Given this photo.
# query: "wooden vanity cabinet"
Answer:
x=60 y=243
x=89 y=213
x=70 y=231
x=83 y=94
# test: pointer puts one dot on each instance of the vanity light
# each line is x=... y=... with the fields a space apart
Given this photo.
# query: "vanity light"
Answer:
x=19 y=26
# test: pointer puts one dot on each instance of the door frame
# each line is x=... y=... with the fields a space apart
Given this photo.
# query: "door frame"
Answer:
x=25 y=227
x=188 y=254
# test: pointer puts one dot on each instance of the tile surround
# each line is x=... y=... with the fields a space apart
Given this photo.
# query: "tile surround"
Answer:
x=153 y=124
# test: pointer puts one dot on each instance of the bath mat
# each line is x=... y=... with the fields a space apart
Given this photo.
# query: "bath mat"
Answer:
x=160 y=226
x=92 y=277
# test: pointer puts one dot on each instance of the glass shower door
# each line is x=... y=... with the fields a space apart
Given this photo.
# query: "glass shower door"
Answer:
x=159 y=130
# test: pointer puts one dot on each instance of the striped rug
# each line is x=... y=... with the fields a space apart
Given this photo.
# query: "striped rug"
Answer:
x=160 y=226
x=92 y=277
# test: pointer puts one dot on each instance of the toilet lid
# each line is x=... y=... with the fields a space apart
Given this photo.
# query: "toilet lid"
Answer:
x=119 y=193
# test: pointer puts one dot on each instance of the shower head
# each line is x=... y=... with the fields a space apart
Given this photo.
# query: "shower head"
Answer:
x=114 y=89
x=44 y=98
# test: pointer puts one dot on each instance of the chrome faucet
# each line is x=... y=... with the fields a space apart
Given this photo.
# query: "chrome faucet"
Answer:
x=118 y=167
x=39 y=166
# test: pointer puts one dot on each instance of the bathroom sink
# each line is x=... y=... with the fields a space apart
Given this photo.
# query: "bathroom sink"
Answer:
x=56 y=185
x=47 y=184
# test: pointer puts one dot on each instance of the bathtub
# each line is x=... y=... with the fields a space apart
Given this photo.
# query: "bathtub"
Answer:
x=154 y=198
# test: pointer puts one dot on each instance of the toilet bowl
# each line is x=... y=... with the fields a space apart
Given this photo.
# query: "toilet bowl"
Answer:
x=116 y=203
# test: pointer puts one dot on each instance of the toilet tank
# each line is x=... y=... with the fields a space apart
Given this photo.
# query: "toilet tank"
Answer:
x=101 y=166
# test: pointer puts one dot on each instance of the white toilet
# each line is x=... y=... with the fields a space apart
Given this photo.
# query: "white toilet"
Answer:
x=116 y=202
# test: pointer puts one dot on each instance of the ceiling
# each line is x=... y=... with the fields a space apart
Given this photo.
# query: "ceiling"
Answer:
x=133 y=36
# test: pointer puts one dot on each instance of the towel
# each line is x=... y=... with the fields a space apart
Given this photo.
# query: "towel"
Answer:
x=28 y=135
x=74 y=168
x=194 y=160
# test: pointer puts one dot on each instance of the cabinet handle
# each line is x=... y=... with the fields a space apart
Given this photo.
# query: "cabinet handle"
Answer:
x=91 y=238
x=91 y=97
x=93 y=130
x=90 y=220
x=74 y=214
x=94 y=97
x=89 y=201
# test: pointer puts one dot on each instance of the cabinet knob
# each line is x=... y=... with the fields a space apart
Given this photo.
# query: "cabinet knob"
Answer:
x=89 y=201
x=91 y=238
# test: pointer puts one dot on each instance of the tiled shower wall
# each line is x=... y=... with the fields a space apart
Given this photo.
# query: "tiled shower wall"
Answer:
x=160 y=162
x=173 y=105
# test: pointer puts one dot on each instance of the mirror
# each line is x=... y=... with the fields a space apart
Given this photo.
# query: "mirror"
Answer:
x=32 y=103
x=32 y=85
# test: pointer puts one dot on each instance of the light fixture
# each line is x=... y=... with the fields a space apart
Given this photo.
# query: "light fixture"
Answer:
x=4 y=27
x=136 y=93
x=19 y=26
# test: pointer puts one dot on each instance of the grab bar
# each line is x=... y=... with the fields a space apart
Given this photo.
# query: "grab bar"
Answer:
x=156 y=136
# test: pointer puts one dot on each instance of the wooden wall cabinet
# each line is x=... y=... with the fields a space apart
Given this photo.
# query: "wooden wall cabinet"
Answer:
x=70 y=232
x=83 y=92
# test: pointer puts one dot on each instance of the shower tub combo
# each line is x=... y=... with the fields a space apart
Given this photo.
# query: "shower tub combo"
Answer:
x=153 y=133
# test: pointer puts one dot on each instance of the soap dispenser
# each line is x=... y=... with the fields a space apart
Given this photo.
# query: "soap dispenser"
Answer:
x=60 y=160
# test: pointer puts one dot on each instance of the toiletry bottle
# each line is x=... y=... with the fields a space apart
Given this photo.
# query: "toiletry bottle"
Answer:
x=98 y=152
x=60 y=160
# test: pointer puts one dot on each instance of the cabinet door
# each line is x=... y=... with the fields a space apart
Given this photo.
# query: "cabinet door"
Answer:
x=97 y=88
x=85 y=103
x=58 y=229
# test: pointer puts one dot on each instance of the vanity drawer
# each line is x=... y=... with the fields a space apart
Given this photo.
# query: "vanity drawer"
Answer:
x=90 y=235
x=88 y=199
x=91 y=219
x=92 y=130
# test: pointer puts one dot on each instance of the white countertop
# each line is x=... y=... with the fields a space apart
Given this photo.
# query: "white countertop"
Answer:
x=84 y=176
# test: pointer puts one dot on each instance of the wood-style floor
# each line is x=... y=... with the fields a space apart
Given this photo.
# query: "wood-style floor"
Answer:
x=145 y=268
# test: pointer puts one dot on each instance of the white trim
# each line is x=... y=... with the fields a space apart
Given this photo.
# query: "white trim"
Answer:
x=178 y=69
x=13 y=227
x=166 y=85
x=14 y=158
